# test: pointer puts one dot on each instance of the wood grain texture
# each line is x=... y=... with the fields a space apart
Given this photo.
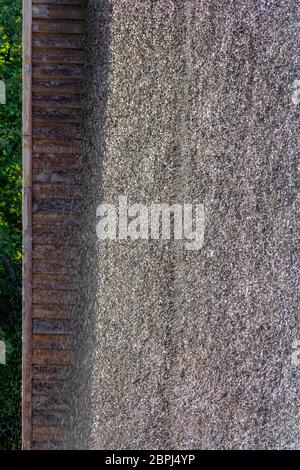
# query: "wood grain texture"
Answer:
x=51 y=373
x=58 y=176
x=57 y=71
x=48 y=190
x=61 y=297
x=58 y=26
x=54 y=218
x=59 y=2
x=57 y=168
x=49 y=311
x=50 y=418
x=52 y=341
x=44 y=433
x=54 y=281
x=57 y=56
x=60 y=132
x=57 y=12
x=57 y=40
x=54 y=235
x=49 y=387
x=48 y=444
x=57 y=116
x=52 y=170
x=52 y=326
x=54 y=146
x=49 y=357
x=27 y=228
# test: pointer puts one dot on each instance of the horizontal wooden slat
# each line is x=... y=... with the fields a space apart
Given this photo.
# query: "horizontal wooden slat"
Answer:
x=48 y=357
x=51 y=237
x=44 y=433
x=67 y=224
x=60 y=2
x=50 y=418
x=48 y=444
x=57 y=12
x=57 y=162
x=55 y=267
x=55 y=235
x=56 y=115
x=75 y=132
x=41 y=387
x=58 y=176
x=58 y=71
x=56 y=205
x=54 y=281
x=57 y=87
x=56 y=219
x=62 y=147
x=56 y=146
x=56 y=40
x=60 y=190
x=64 y=297
x=45 y=238
x=52 y=341
x=51 y=372
x=57 y=56
x=52 y=326
x=51 y=312
x=42 y=402
x=58 y=26
x=60 y=101
x=55 y=252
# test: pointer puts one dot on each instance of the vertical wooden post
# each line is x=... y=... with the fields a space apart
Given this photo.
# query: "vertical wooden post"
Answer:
x=27 y=226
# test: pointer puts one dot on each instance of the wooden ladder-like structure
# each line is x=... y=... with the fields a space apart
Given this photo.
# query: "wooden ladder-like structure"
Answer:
x=52 y=169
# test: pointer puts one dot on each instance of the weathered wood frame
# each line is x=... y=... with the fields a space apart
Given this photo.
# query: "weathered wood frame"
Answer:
x=53 y=74
x=27 y=225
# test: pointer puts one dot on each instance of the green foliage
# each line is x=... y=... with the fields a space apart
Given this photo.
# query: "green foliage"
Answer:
x=10 y=222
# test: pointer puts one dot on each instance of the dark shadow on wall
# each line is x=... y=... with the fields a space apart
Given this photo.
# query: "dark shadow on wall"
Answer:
x=222 y=375
x=95 y=99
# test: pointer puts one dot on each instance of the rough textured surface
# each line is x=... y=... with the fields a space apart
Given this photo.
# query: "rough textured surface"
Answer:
x=191 y=101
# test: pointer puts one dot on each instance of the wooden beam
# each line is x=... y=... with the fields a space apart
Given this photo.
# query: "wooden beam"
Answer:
x=27 y=228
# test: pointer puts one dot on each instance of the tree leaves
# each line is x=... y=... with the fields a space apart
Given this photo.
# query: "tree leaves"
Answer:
x=10 y=221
